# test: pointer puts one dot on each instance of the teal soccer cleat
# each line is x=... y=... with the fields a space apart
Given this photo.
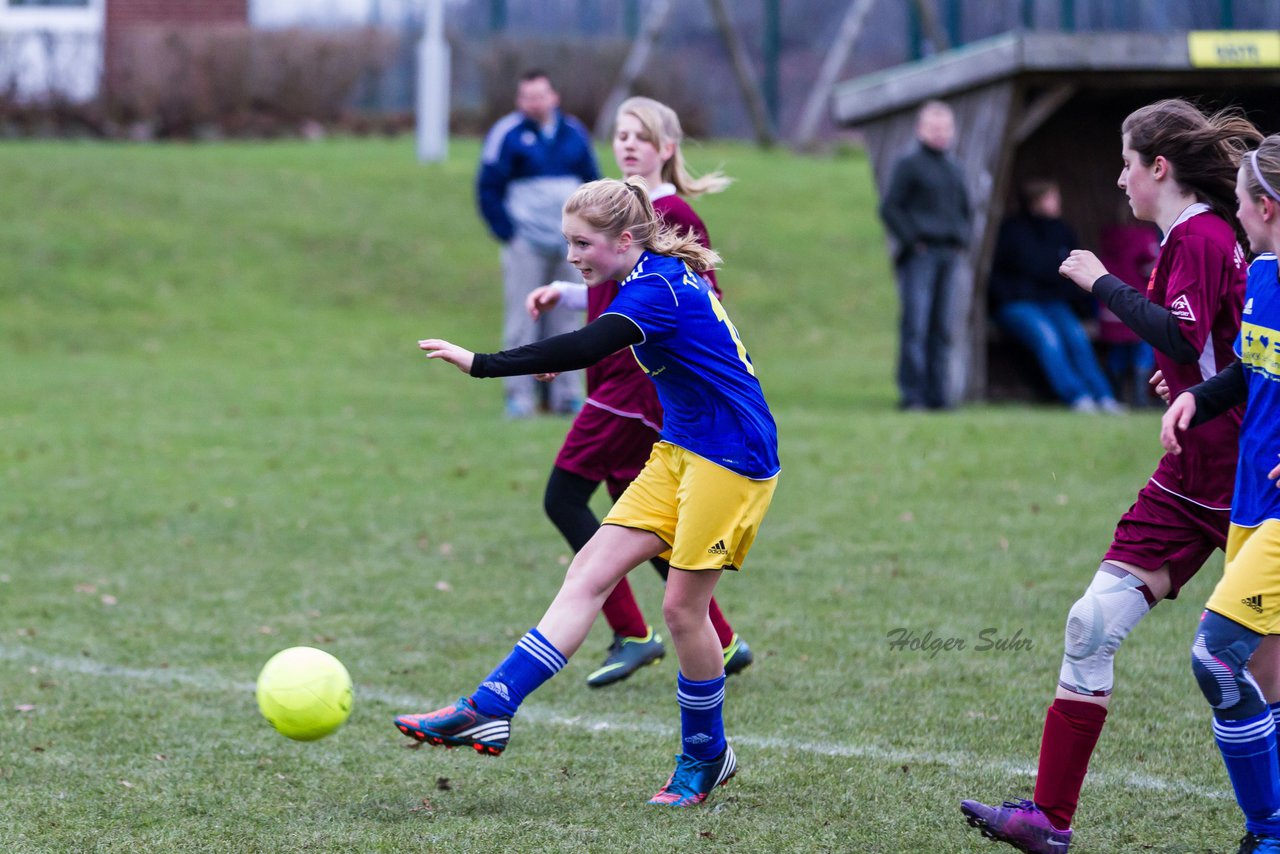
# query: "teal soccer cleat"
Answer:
x=692 y=780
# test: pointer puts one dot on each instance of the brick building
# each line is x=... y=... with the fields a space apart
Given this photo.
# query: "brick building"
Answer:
x=125 y=15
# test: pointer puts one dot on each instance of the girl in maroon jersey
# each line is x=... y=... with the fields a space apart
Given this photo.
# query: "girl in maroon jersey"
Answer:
x=612 y=435
x=1179 y=173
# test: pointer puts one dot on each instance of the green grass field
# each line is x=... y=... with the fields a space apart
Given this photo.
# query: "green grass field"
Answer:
x=218 y=439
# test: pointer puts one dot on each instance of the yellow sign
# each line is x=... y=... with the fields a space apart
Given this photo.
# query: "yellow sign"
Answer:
x=1234 y=48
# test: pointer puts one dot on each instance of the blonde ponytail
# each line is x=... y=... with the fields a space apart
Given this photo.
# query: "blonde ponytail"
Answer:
x=612 y=207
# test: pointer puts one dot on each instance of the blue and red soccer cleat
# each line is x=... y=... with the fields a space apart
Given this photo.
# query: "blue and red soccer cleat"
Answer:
x=1252 y=843
x=1019 y=823
x=459 y=725
x=692 y=780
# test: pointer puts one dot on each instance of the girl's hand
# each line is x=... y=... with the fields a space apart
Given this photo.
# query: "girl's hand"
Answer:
x=1177 y=418
x=546 y=378
x=1083 y=268
x=541 y=299
x=1274 y=474
x=1161 y=386
x=451 y=353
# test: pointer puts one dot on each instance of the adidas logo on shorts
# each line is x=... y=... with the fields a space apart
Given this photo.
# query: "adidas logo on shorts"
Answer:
x=1254 y=602
x=718 y=549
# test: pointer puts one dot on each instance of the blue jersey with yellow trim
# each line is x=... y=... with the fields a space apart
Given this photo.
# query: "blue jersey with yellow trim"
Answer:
x=712 y=403
x=1258 y=347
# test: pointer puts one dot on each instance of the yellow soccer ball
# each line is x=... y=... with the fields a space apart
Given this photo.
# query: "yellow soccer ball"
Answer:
x=305 y=693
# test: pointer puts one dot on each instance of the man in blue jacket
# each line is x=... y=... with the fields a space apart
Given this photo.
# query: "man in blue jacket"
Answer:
x=533 y=159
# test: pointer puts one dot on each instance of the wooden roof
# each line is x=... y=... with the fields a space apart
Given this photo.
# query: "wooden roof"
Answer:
x=1146 y=59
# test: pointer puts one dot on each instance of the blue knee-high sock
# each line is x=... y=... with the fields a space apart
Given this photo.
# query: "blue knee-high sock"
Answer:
x=701 y=716
x=1275 y=716
x=532 y=661
x=1249 y=751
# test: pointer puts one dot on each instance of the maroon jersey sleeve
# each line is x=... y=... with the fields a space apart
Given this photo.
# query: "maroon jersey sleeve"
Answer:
x=1198 y=280
x=677 y=212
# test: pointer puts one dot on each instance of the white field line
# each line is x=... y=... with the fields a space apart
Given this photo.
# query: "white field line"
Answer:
x=544 y=716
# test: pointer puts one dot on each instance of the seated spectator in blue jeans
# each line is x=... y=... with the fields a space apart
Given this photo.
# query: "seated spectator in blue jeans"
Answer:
x=1032 y=304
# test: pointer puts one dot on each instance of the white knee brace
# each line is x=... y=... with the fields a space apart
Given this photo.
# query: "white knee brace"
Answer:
x=1098 y=622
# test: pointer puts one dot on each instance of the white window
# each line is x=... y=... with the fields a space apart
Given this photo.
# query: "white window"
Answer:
x=51 y=48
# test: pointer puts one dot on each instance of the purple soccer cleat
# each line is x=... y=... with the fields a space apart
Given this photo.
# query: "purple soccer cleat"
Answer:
x=1018 y=823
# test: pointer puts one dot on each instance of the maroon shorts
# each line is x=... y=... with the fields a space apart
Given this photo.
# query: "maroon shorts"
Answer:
x=602 y=446
x=1162 y=528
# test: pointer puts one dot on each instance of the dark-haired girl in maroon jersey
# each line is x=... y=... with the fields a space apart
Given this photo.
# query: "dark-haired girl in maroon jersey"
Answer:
x=1179 y=172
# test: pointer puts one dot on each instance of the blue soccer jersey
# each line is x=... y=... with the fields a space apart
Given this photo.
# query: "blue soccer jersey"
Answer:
x=1258 y=347
x=711 y=401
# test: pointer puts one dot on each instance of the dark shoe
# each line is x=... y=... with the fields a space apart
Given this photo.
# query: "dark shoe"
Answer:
x=737 y=656
x=626 y=656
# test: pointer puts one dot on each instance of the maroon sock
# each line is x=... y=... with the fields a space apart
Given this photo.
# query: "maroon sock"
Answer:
x=623 y=613
x=724 y=631
x=1071 y=730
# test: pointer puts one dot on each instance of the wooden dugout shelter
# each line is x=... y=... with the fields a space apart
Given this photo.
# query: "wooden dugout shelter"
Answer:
x=1050 y=105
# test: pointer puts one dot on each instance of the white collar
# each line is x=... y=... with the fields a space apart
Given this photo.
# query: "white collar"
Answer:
x=1193 y=209
x=662 y=191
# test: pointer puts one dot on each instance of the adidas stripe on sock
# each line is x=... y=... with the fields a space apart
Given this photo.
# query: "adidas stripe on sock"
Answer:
x=701 y=716
x=531 y=662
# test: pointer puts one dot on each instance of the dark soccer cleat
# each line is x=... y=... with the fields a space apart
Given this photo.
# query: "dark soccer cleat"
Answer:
x=737 y=656
x=692 y=780
x=1020 y=824
x=459 y=725
x=1252 y=843
x=626 y=656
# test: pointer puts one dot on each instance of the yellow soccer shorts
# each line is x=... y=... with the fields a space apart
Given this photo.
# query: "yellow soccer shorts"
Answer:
x=706 y=513
x=1249 y=592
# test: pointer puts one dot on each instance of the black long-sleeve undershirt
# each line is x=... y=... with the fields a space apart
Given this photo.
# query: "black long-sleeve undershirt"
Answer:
x=572 y=351
x=1225 y=390
x=1155 y=324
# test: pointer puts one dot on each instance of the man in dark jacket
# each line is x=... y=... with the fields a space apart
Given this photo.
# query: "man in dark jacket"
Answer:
x=926 y=210
x=533 y=159
x=1033 y=303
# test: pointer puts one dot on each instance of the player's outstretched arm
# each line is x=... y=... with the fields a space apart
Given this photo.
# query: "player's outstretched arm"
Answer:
x=435 y=348
x=568 y=352
x=1176 y=419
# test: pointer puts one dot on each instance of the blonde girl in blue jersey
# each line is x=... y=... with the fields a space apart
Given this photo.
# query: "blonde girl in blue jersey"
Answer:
x=1238 y=632
x=698 y=502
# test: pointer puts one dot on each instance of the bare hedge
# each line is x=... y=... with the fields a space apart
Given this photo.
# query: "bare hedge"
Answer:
x=184 y=82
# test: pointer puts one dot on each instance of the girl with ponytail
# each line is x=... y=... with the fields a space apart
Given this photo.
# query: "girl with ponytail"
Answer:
x=698 y=502
x=1179 y=172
